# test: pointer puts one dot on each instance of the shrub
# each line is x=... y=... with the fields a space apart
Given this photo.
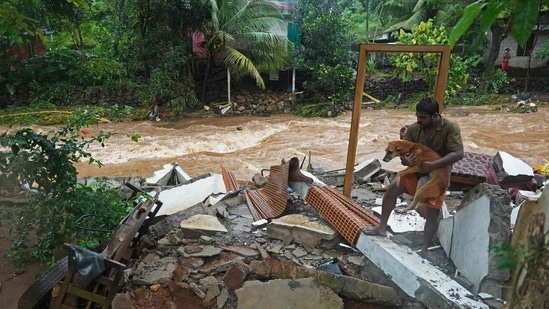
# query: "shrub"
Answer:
x=45 y=161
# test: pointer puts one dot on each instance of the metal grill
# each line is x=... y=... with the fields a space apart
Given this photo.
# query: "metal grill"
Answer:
x=295 y=172
x=365 y=215
x=334 y=209
x=231 y=184
x=271 y=200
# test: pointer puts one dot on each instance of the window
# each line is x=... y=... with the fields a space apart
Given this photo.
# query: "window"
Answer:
x=528 y=47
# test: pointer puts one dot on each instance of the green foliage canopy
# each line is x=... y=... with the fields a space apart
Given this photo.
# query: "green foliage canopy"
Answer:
x=522 y=16
x=426 y=64
x=326 y=47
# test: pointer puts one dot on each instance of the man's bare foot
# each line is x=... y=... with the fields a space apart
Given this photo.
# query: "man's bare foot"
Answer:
x=374 y=231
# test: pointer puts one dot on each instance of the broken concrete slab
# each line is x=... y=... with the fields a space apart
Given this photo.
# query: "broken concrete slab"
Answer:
x=200 y=251
x=287 y=294
x=168 y=223
x=362 y=173
x=347 y=286
x=171 y=174
x=301 y=229
x=155 y=269
x=242 y=250
x=184 y=196
x=511 y=169
x=523 y=195
x=333 y=178
x=365 y=170
x=415 y=276
x=409 y=221
x=202 y=225
x=482 y=220
x=111 y=182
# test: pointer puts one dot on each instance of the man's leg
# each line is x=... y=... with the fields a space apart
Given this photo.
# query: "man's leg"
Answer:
x=387 y=205
x=430 y=230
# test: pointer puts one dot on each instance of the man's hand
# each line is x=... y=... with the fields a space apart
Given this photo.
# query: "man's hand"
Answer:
x=409 y=159
x=427 y=167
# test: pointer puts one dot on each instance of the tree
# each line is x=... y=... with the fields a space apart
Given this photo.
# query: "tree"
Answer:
x=241 y=33
x=522 y=16
x=517 y=16
x=12 y=26
x=17 y=26
x=328 y=58
x=426 y=64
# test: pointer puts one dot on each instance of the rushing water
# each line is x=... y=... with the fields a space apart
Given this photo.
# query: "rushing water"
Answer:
x=245 y=145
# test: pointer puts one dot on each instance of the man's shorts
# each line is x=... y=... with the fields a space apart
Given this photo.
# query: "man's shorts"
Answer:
x=410 y=182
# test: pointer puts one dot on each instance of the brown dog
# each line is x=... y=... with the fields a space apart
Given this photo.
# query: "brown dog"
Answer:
x=439 y=178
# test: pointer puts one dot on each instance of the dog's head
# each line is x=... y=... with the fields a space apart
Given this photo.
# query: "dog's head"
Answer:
x=396 y=149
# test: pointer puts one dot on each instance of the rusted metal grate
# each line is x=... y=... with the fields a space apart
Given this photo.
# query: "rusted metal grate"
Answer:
x=231 y=184
x=271 y=200
x=332 y=207
x=295 y=172
x=365 y=215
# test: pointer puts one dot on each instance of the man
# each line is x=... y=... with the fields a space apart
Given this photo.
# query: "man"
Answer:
x=505 y=62
x=443 y=136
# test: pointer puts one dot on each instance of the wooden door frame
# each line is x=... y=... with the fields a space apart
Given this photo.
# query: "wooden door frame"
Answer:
x=363 y=49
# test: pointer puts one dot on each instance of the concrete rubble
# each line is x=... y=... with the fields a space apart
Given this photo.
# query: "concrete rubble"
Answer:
x=248 y=264
x=207 y=250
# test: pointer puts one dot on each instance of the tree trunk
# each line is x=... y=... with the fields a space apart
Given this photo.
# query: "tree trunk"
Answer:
x=529 y=64
x=495 y=45
x=229 y=89
x=122 y=18
x=208 y=64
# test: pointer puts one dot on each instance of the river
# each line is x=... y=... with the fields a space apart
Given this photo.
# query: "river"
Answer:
x=245 y=145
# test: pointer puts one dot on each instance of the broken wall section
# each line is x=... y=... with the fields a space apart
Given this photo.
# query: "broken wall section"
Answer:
x=482 y=221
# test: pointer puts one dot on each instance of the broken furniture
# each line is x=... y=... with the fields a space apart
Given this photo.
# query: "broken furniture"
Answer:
x=471 y=170
x=90 y=277
x=119 y=248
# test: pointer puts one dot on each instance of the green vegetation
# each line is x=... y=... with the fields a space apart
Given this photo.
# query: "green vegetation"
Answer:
x=426 y=64
x=145 y=48
x=328 y=58
x=44 y=161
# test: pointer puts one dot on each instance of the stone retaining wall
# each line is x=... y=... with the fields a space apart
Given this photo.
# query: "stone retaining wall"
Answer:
x=249 y=99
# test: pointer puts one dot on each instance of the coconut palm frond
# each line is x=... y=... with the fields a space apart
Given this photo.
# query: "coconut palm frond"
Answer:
x=236 y=59
x=440 y=16
x=242 y=31
x=416 y=11
x=407 y=24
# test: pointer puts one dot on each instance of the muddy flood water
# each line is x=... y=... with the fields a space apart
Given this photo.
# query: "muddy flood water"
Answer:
x=245 y=145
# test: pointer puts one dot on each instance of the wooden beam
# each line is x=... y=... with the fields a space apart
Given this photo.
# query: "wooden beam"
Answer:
x=355 y=122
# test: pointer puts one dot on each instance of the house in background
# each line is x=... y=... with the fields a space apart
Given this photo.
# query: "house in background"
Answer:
x=520 y=56
x=31 y=47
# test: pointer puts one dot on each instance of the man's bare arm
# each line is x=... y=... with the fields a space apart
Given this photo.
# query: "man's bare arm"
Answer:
x=445 y=161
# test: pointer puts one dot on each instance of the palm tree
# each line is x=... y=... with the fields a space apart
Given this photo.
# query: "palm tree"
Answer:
x=240 y=33
x=409 y=13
